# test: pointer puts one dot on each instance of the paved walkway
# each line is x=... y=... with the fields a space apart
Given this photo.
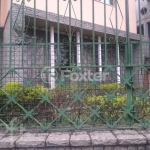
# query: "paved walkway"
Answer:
x=92 y=140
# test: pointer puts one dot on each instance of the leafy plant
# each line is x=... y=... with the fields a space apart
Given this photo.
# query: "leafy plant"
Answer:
x=111 y=87
x=109 y=108
x=19 y=94
x=11 y=88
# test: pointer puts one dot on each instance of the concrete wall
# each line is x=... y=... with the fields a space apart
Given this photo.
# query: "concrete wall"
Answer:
x=4 y=9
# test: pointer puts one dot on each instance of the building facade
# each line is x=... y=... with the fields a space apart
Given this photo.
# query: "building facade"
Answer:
x=62 y=33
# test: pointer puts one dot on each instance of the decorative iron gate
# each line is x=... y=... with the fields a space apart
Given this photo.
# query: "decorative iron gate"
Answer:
x=63 y=68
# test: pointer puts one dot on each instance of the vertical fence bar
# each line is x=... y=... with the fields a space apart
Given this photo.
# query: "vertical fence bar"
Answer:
x=58 y=35
x=23 y=17
x=70 y=36
x=93 y=32
x=105 y=36
x=10 y=53
x=46 y=26
x=81 y=49
x=116 y=36
x=139 y=8
x=128 y=62
x=34 y=32
x=132 y=82
x=117 y=45
x=22 y=41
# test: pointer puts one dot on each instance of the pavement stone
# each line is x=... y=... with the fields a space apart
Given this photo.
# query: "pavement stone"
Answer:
x=87 y=148
x=2 y=135
x=58 y=139
x=80 y=139
x=128 y=132
x=109 y=148
x=32 y=140
x=141 y=147
x=131 y=139
x=103 y=138
x=120 y=148
x=93 y=140
x=132 y=148
x=98 y=148
x=147 y=135
x=148 y=147
x=8 y=141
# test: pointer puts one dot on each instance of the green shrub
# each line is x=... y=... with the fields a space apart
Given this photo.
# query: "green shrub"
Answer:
x=11 y=88
x=111 y=87
x=27 y=97
x=29 y=94
x=61 y=97
x=110 y=108
x=23 y=93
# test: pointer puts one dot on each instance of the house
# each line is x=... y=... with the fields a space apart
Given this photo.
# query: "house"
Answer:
x=143 y=18
x=62 y=34
x=143 y=29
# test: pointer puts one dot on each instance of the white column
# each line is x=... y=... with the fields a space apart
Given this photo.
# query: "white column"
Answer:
x=78 y=49
x=118 y=68
x=99 y=54
x=52 y=54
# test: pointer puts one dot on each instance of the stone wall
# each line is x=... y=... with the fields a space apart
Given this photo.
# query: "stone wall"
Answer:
x=78 y=140
x=12 y=53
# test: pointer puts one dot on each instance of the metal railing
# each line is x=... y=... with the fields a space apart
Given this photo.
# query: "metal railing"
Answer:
x=61 y=72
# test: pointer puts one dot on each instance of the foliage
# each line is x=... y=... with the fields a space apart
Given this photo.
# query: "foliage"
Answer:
x=109 y=105
x=110 y=108
x=111 y=87
x=11 y=88
x=24 y=95
x=29 y=94
x=21 y=92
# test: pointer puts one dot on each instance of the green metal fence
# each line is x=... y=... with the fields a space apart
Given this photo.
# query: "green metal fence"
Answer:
x=58 y=74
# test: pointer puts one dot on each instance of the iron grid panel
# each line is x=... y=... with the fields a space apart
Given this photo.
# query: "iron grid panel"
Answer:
x=105 y=81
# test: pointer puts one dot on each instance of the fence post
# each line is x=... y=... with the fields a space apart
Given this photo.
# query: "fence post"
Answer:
x=129 y=67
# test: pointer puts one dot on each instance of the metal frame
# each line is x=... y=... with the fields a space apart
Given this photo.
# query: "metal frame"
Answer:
x=35 y=94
